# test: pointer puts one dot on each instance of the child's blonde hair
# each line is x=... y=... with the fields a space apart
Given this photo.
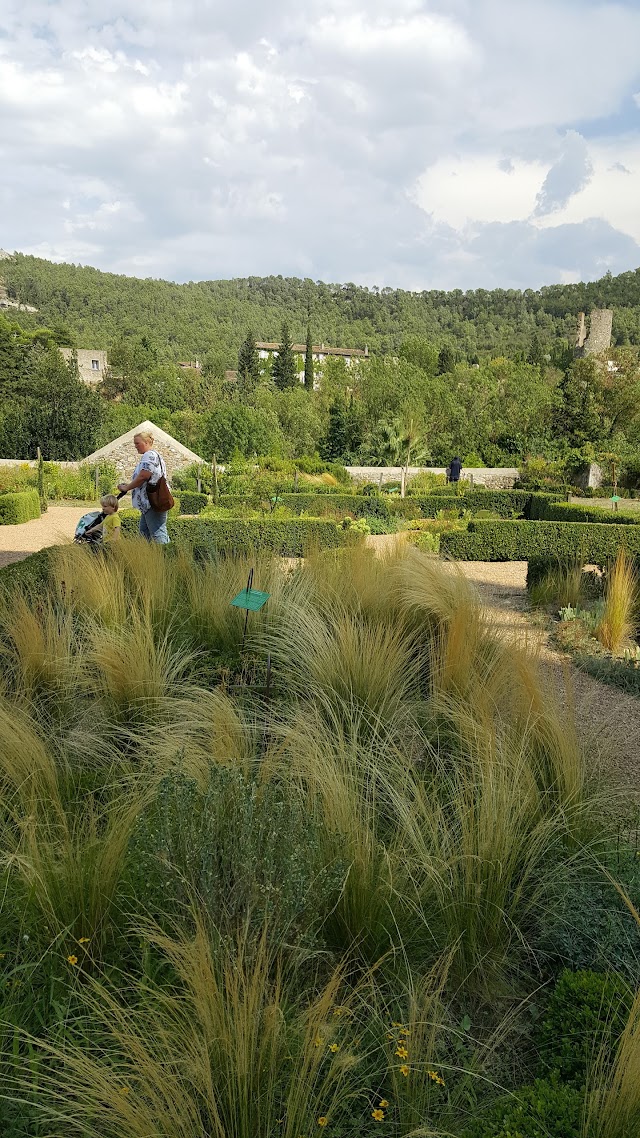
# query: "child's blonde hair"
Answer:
x=109 y=500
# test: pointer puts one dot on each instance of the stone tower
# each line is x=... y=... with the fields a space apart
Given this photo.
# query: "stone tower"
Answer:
x=599 y=338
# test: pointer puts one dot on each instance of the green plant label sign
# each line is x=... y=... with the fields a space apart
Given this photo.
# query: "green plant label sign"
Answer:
x=250 y=599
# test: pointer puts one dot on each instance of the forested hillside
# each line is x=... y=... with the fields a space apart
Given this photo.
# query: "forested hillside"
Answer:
x=209 y=318
x=489 y=375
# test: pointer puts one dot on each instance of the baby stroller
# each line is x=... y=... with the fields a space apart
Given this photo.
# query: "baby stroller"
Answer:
x=89 y=528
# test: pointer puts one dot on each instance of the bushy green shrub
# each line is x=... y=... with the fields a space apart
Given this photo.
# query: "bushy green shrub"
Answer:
x=590 y=926
x=595 y=544
x=587 y=1012
x=249 y=852
x=192 y=503
x=547 y=1109
x=21 y=506
x=210 y=537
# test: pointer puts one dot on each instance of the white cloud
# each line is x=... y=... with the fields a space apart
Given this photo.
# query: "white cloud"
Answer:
x=422 y=142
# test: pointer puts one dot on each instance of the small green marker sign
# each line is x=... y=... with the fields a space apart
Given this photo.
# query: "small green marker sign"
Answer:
x=615 y=498
x=250 y=599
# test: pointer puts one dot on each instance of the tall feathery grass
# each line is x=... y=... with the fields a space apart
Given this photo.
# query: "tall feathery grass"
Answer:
x=407 y=774
x=618 y=623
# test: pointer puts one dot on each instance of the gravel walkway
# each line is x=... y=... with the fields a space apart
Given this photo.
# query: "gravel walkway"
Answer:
x=53 y=528
x=608 y=719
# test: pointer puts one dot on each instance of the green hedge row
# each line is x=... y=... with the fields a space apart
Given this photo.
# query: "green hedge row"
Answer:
x=209 y=537
x=20 y=506
x=320 y=505
x=191 y=502
x=551 y=511
x=505 y=503
x=594 y=544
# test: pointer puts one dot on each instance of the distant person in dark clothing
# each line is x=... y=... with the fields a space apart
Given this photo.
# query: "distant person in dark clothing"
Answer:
x=455 y=469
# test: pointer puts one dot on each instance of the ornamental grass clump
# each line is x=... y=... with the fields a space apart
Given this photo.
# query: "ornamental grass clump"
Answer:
x=619 y=620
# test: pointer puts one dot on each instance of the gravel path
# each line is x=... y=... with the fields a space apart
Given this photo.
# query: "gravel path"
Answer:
x=608 y=719
x=53 y=528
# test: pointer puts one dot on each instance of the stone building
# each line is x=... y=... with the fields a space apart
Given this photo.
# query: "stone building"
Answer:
x=598 y=337
x=122 y=453
x=92 y=363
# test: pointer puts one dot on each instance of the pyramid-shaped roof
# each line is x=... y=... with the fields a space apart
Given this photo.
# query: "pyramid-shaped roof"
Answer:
x=180 y=455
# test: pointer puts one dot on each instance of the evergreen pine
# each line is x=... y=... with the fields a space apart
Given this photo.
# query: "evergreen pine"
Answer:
x=335 y=443
x=283 y=371
x=248 y=362
x=446 y=359
x=308 y=361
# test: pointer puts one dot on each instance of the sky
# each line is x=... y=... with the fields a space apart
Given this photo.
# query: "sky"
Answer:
x=404 y=143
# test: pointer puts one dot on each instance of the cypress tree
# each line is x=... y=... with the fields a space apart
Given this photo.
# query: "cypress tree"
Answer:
x=283 y=371
x=308 y=361
x=248 y=362
x=446 y=359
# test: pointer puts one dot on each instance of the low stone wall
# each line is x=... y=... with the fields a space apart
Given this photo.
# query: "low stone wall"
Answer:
x=32 y=463
x=494 y=478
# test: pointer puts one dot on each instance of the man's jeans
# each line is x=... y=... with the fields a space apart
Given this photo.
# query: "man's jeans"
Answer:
x=153 y=526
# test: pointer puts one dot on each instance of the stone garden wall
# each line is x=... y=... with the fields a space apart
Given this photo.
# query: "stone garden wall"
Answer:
x=494 y=478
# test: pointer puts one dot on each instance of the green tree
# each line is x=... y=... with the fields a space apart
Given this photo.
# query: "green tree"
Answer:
x=579 y=417
x=248 y=362
x=283 y=371
x=446 y=359
x=421 y=352
x=308 y=361
x=63 y=414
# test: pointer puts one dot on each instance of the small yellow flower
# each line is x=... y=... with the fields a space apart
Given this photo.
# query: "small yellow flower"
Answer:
x=383 y=1102
x=404 y=1070
x=72 y=959
x=125 y=1090
x=436 y=1078
x=402 y=1052
x=404 y=1031
x=84 y=940
x=334 y=1047
x=396 y=1024
x=378 y=1115
x=318 y=1041
x=389 y=1035
x=322 y=1121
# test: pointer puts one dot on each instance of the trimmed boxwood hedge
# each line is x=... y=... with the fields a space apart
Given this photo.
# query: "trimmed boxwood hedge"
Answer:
x=550 y=511
x=21 y=506
x=594 y=544
x=192 y=503
x=505 y=503
x=208 y=537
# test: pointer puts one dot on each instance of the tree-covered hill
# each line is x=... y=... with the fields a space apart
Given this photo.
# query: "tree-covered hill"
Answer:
x=208 y=319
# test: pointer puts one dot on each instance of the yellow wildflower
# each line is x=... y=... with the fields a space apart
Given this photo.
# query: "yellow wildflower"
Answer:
x=84 y=940
x=404 y=1031
x=436 y=1078
x=72 y=959
x=404 y=1070
x=383 y=1102
x=322 y=1121
x=396 y=1024
x=125 y=1090
x=402 y=1052
x=378 y=1115
x=389 y=1035
x=334 y=1047
x=318 y=1041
